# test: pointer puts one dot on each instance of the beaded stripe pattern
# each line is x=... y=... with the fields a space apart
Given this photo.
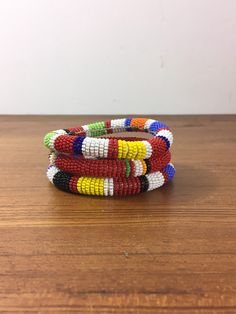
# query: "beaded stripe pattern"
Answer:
x=83 y=160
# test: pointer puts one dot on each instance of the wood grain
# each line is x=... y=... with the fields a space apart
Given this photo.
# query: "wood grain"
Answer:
x=172 y=250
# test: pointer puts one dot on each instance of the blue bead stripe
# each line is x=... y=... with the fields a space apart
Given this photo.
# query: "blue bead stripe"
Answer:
x=170 y=170
x=77 y=145
x=127 y=123
x=155 y=126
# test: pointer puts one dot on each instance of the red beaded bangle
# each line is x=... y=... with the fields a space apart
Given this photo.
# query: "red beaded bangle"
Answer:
x=107 y=167
x=84 y=161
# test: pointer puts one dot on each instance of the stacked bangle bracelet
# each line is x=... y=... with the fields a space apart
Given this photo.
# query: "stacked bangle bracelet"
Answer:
x=85 y=160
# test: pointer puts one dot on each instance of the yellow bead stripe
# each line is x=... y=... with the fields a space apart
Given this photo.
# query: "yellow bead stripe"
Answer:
x=91 y=186
x=131 y=150
x=79 y=185
x=122 y=149
x=141 y=150
x=125 y=149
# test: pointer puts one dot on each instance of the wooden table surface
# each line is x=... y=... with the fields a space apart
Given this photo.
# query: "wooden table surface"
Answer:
x=172 y=250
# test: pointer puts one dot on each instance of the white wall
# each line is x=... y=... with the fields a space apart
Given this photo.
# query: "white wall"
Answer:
x=117 y=56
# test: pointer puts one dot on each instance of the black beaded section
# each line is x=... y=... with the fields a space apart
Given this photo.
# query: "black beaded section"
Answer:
x=147 y=162
x=62 y=181
x=67 y=131
x=144 y=184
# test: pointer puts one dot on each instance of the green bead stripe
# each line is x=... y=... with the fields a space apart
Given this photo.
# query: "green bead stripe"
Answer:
x=127 y=168
x=47 y=138
x=97 y=129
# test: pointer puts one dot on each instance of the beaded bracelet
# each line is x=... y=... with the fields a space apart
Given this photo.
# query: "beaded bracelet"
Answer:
x=109 y=186
x=109 y=167
x=84 y=161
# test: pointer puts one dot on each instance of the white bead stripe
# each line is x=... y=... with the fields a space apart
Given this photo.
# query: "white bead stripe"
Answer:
x=111 y=186
x=106 y=186
x=85 y=146
x=138 y=168
x=51 y=173
x=118 y=125
x=166 y=133
x=92 y=147
x=86 y=129
x=52 y=158
x=101 y=148
x=106 y=146
x=60 y=132
x=155 y=180
x=148 y=149
x=148 y=123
